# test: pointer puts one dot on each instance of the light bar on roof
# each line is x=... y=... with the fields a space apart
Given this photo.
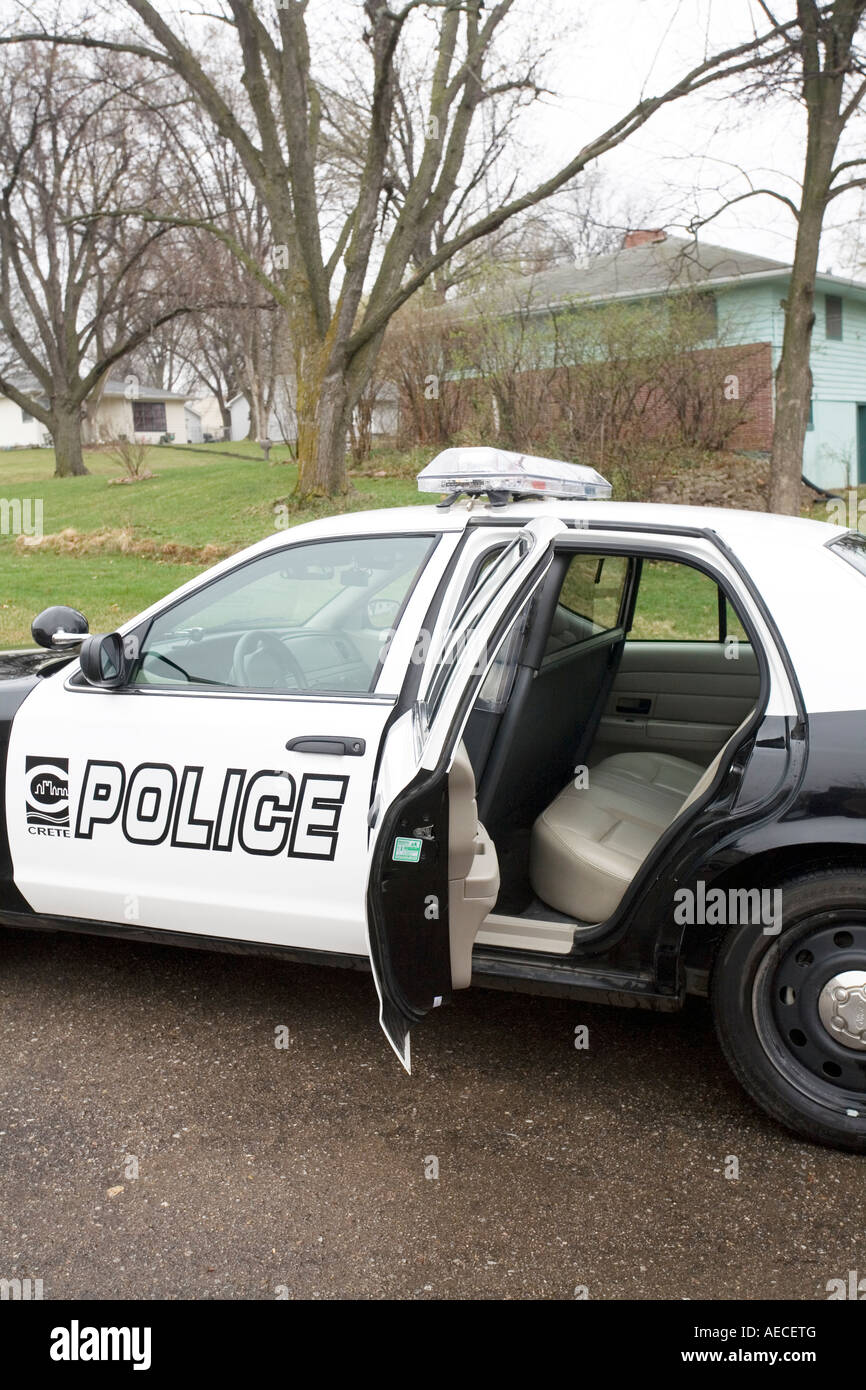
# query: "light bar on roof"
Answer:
x=500 y=471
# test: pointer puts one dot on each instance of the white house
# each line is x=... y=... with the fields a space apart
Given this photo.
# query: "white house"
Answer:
x=19 y=430
x=210 y=419
x=192 y=419
x=282 y=422
x=123 y=408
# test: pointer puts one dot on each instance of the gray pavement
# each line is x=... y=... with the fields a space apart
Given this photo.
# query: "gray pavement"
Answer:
x=302 y=1171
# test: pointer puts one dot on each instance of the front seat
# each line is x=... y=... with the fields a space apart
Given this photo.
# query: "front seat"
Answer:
x=473 y=868
x=589 y=843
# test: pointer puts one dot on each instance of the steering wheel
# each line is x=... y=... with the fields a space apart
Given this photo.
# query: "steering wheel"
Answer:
x=260 y=659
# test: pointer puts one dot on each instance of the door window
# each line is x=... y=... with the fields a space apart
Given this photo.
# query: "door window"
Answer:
x=308 y=617
x=471 y=614
x=590 y=600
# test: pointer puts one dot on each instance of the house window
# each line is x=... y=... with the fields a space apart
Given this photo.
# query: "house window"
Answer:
x=26 y=417
x=832 y=316
x=148 y=417
x=810 y=423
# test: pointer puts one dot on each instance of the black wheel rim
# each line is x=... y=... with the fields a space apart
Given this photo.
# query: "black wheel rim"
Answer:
x=788 y=984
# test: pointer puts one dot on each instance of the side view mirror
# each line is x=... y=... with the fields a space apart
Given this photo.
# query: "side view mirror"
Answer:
x=59 y=627
x=103 y=660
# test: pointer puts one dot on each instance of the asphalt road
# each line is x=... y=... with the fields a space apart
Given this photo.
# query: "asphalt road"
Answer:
x=301 y=1171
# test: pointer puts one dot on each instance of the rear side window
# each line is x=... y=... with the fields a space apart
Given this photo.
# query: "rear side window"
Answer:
x=851 y=548
x=676 y=603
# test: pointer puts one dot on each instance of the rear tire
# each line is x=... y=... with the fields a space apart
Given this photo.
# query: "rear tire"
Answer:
x=776 y=1004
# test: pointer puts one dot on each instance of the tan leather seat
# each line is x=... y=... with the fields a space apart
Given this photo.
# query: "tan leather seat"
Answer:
x=589 y=843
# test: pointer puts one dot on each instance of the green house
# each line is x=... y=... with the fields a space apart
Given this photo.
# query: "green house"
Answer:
x=746 y=295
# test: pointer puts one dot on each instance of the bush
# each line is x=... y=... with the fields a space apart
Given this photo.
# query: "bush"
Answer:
x=130 y=455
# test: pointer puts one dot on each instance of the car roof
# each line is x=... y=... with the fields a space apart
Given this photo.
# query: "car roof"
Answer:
x=731 y=525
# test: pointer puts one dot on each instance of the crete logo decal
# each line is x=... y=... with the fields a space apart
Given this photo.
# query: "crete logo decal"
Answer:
x=47 y=783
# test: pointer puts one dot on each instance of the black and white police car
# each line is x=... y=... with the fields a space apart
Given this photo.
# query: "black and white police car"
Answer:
x=525 y=738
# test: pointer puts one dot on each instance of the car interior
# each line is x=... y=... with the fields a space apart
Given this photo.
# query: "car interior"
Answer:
x=630 y=682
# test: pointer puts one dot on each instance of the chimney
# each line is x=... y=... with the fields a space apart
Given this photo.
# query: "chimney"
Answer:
x=643 y=237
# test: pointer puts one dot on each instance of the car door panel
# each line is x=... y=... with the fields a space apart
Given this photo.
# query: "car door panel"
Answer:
x=684 y=698
x=223 y=788
x=187 y=812
x=409 y=925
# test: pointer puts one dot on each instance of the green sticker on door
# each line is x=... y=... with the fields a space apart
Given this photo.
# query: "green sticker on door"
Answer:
x=406 y=851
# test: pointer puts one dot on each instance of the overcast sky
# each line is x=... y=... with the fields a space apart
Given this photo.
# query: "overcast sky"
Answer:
x=681 y=163
x=624 y=48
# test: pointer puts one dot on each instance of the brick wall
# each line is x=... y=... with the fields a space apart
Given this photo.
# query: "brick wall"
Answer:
x=702 y=389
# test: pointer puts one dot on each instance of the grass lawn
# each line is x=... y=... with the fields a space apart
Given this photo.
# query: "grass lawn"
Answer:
x=206 y=496
x=222 y=495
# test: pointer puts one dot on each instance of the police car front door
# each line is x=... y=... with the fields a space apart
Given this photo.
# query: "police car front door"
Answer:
x=198 y=804
x=412 y=950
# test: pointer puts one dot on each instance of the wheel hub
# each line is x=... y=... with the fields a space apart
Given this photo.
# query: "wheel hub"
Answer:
x=812 y=985
x=842 y=1008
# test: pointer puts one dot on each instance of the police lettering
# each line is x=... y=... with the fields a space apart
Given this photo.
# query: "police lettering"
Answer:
x=263 y=812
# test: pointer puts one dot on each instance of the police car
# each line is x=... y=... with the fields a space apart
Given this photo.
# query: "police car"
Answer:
x=525 y=738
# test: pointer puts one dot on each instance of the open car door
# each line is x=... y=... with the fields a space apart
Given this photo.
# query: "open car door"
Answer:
x=431 y=877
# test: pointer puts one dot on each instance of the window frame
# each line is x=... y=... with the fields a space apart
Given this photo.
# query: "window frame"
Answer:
x=650 y=547
x=830 y=315
x=150 y=429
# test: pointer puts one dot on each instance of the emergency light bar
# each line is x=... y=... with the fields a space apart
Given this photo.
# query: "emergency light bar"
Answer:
x=502 y=474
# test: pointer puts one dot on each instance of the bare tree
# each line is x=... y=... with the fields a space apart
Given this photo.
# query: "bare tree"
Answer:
x=833 y=84
x=236 y=328
x=422 y=356
x=384 y=253
x=823 y=67
x=76 y=293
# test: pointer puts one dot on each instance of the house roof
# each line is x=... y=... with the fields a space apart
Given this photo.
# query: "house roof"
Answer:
x=675 y=263
x=657 y=267
x=114 y=386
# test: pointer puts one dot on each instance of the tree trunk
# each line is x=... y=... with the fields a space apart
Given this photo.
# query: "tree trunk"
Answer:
x=794 y=373
x=66 y=433
x=324 y=412
x=822 y=92
x=225 y=416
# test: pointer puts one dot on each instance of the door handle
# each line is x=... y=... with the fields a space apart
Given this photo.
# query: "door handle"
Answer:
x=638 y=705
x=326 y=743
